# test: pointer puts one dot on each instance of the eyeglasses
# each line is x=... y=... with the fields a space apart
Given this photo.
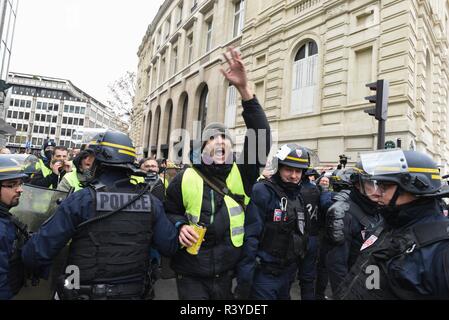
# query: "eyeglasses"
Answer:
x=13 y=186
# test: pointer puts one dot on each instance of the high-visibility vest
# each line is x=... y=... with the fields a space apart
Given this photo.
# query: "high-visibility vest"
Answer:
x=137 y=180
x=72 y=179
x=192 y=194
x=42 y=167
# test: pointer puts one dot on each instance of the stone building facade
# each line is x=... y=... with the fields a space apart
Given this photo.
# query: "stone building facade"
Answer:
x=309 y=62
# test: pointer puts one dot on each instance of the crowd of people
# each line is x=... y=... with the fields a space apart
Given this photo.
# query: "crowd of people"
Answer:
x=233 y=226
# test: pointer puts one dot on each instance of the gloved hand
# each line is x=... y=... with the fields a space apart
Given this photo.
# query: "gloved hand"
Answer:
x=242 y=291
x=335 y=222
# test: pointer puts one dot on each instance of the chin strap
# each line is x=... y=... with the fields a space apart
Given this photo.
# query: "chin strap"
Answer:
x=396 y=195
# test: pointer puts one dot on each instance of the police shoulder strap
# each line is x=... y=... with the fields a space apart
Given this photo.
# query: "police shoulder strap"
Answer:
x=273 y=186
x=220 y=187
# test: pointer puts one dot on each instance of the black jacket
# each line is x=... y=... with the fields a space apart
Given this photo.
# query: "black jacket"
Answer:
x=52 y=180
x=217 y=254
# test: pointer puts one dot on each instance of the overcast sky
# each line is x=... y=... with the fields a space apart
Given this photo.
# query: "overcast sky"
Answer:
x=90 y=42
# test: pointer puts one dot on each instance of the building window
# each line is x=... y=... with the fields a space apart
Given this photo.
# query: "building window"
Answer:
x=28 y=104
x=53 y=131
x=180 y=9
x=167 y=28
x=9 y=114
x=209 y=25
x=66 y=108
x=190 y=48
x=304 y=85
x=202 y=112
x=239 y=17
x=175 y=60
x=185 y=105
x=194 y=5
x=231 y=107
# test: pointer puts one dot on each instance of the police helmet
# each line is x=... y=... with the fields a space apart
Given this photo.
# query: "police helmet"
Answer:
x=10 y=169
x=413 y=171
x=114 y=149
x=292 y=155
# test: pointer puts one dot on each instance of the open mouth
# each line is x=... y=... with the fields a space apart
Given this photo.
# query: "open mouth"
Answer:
x=219 y=152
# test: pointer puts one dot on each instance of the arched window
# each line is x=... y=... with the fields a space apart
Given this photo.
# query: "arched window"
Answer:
x=202 y=113
x=305 y=78
x=231 y=107
x=158 y=123
x=185 y=105
x=170 y=116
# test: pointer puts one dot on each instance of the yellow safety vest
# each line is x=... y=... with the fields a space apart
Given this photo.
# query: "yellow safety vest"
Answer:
x=72 y=179
x=42 y=167
x=192 y=195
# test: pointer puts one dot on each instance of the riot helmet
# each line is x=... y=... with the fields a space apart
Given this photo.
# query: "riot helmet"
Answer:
x=293 y=155
x=113 y=149
x=10 y=169
x=414 y=172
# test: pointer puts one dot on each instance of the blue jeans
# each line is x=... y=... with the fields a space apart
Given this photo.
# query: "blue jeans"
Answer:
x=308 y=270
x=267 y=286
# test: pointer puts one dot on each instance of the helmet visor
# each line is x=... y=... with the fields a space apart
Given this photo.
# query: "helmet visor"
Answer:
x=384 y=162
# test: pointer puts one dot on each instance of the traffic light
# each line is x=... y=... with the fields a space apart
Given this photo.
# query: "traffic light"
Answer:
x=380 y=111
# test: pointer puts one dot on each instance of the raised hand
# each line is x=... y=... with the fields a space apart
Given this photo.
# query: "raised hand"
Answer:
x=236 y=73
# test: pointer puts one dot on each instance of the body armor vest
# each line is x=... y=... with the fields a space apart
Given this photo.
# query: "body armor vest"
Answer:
x=391 y=245
x=284 y=235
x=114 y=249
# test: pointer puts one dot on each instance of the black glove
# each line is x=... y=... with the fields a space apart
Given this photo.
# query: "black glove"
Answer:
x=335 y=222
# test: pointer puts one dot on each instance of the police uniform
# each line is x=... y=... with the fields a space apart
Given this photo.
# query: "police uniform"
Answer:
x=308 y=266
x=410 y=258
x=13 y=234
x=276 y=229
x=111 y=224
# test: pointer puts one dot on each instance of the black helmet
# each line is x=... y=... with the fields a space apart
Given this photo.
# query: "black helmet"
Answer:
x=292 y=155
x=9 y=169
x=114 y=149
x=413 y=171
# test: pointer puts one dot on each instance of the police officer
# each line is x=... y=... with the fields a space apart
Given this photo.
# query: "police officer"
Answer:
x=12 y=233
x=350 y=221
x=410 y=258
x=111 y=224
x=214 y=192
x=275 y=230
